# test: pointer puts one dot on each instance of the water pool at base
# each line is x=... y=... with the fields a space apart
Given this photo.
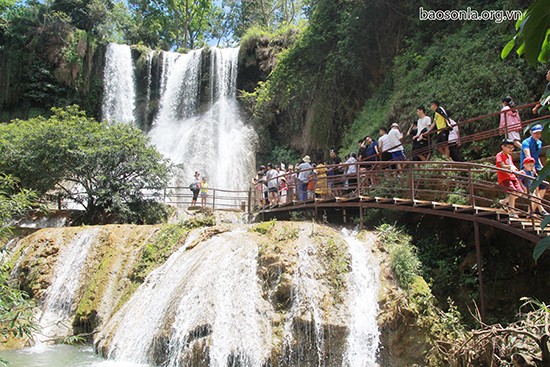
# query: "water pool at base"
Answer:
x=59 y=356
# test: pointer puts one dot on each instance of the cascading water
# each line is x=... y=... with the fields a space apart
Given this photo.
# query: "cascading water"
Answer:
x=306 y=299
x=213 y=294
x=57 y=307
x=216 y=142
x=363 y=287
x=119 y=90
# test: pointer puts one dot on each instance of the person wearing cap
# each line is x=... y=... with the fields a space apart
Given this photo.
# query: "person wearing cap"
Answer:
x=540 y=191
x=304 y=171
x=394 y=143
x=508 y=180
x=545 y=99
x=532 y=146
x=510 y=122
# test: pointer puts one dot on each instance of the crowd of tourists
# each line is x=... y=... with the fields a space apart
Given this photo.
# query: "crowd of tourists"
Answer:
x=307 y=180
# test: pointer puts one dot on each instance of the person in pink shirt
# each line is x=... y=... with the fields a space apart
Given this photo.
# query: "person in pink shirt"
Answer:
x=510 y=122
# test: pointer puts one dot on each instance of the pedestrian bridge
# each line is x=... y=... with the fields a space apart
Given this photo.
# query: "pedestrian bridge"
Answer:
x=466 y=191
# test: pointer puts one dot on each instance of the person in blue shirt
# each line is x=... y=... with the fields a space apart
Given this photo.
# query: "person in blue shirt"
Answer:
x=532 y=146
x=372 y=149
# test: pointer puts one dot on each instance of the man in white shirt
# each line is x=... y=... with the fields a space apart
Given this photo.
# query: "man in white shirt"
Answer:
x=420 y=143
x=394 y=144
x=454 y=141
x=351 y=171
x=383 y=145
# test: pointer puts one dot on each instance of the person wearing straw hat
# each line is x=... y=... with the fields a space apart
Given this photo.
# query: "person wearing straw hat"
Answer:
x=304 y=170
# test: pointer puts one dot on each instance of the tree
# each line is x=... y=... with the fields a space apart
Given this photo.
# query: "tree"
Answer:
x=105 y=168
x=533 y=34
x=179 y=23
x=16 y=314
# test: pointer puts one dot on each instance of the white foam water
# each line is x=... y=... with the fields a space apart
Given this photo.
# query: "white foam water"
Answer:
x=119 y=89
x=58 y=303
x=363 y=339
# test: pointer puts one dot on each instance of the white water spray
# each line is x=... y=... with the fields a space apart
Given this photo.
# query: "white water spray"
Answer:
x=119 y=90
x=363 y=283
x=216 y=142
x=58 y=304
x=213 y=292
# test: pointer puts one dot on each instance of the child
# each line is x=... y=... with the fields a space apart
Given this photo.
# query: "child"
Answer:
x=283 y=189
x=204 y=191
x=508 y=180
x=529 y=170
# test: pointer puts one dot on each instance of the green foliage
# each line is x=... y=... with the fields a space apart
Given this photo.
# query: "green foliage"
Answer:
x=264 y=227
x=321 y=82
x=441 y=266
x=533 y=34
x=403 y=257
x=168 y=239
x=459 y=70
x=16 y=309
x=105 y=168
x=14 y=202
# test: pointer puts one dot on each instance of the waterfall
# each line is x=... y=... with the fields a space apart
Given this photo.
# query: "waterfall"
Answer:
x=363 y=287
x=119 y=90
x=211 y=291
x=306 y=299
x=57 y=307
x=215 y=142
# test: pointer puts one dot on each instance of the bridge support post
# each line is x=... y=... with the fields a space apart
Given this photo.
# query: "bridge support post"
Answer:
x=361 y=217
x=479 y=271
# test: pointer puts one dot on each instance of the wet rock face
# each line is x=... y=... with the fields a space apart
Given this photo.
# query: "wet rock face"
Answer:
x=276 y=295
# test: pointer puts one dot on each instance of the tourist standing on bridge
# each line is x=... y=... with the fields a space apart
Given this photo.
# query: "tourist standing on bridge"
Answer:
x=321 y=189
x=362 y=152
x=394 y=143
x=420 y=143
x=383 y=145
x=272 y=178
x=545 y=99
x=532 y=147
x=372 y=149
x=540 y=190
x=454 y=142
x=195 y=188
x=351 y=172
x=510 y=122
x=335 y=172
x=508 y=180
x=442 y=126
x=204 y=191
x=304 y=171
x=291 y=179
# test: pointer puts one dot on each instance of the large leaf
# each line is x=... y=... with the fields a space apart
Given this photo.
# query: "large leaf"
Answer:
x=545 y=221
x=509 y=46
x=541 y=246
